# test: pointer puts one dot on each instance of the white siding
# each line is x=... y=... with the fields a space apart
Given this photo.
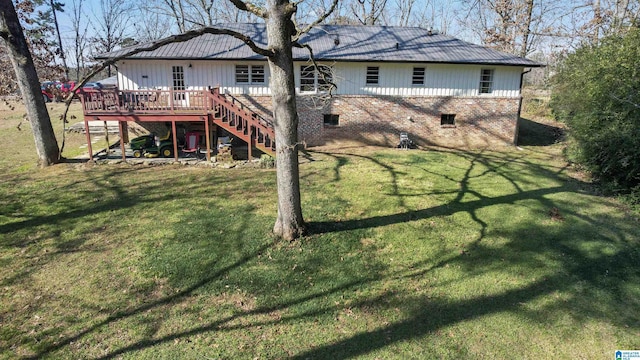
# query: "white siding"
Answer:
x=395 y=79
x=200 y=74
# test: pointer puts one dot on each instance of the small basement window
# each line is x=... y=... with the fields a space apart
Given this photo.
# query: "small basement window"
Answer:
x=331 y=119
x=448 y=120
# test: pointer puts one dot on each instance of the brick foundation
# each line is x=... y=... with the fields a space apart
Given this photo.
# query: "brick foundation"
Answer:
x=479 y=121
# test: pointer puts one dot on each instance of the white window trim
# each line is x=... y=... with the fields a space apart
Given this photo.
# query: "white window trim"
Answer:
x=366 y=77
x=491 y=82
x=250 y=74
x=316 y=79
x=424 y=76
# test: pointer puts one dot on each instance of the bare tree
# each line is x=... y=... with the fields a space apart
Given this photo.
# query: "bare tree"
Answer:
x=151 y=25
x=111 y=25
x=282 y=36
x=405 y=12
x=18 y=50
x=55 y=7
x=513 y=26
x=368 y=12
x=80 y=39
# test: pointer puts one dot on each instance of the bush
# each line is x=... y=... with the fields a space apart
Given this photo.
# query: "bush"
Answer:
x=596 y=92
x=267 y=161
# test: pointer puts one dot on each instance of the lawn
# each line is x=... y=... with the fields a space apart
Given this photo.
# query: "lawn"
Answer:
x=410 y=254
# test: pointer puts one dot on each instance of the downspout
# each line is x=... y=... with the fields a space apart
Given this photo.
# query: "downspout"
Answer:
x=515 y=137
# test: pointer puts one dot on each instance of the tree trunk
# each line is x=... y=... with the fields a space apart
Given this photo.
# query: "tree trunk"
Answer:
x=526 y=43
x=13 y=39
x=289 y=223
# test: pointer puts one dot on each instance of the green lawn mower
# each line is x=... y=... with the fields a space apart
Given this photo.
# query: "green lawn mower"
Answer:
x=151 y=146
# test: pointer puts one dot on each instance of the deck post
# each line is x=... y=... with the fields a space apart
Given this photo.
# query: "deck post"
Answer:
x=175 y=140
x=208 y=140
x=249 y=143
x=121 y=130
x=88 y=133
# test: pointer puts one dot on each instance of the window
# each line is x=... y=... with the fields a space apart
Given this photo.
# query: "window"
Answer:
x=448 y=119
x=250 y=74
x=312 y=80
x=242 y=74
x=307 y=78
x=325 y=78
x=331 y=119
x=257 y=74
x=486 y=81
x=418 y=76
x=177 y=74
x=373 y=75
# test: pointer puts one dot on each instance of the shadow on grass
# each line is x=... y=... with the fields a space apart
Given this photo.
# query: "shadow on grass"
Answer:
x=197 y=261
x=533 y=133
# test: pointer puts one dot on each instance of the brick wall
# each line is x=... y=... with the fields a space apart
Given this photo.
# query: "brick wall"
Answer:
x=479 y=121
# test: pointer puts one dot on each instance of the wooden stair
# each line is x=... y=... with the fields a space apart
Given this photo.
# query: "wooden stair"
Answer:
x=240 y=121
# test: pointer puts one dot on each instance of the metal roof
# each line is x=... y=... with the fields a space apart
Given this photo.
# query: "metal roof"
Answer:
x=338 y=43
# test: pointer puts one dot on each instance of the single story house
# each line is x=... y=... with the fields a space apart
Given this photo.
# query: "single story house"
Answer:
x=439 y=89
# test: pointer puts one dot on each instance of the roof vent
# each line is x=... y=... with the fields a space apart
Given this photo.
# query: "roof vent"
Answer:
x=336 y=41
x=397 y=46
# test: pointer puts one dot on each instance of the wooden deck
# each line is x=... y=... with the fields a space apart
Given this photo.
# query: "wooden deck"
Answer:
x=208 y=106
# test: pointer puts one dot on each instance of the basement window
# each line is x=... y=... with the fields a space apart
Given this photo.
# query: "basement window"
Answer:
x=331 y=119
x=448 y=120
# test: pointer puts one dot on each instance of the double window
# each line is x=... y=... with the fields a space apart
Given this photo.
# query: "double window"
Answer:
x=250 y=74
x=315 y=80
x=486 y=81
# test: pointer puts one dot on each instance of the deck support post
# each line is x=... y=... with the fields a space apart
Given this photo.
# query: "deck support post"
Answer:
x=121 y=129
x=249 y=144
x=175 y=140
x=207 y=137
x=88 y=133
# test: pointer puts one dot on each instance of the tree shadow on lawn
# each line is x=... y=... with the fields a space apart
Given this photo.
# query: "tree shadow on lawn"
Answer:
x=559 y=257
x=596 y=281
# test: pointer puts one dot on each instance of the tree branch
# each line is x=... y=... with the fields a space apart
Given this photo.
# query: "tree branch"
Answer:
x=318 y=21
x=249 y=7
x=332 y=85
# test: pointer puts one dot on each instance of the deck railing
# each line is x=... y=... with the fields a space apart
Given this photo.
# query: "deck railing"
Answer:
x=145 y=101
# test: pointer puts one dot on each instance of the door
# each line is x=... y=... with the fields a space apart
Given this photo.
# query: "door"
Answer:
x=179 y=88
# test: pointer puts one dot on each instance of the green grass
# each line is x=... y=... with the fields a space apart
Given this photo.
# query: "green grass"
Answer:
x=411 y=254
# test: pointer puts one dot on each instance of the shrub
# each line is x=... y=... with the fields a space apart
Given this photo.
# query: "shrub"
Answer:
x=596 y=92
